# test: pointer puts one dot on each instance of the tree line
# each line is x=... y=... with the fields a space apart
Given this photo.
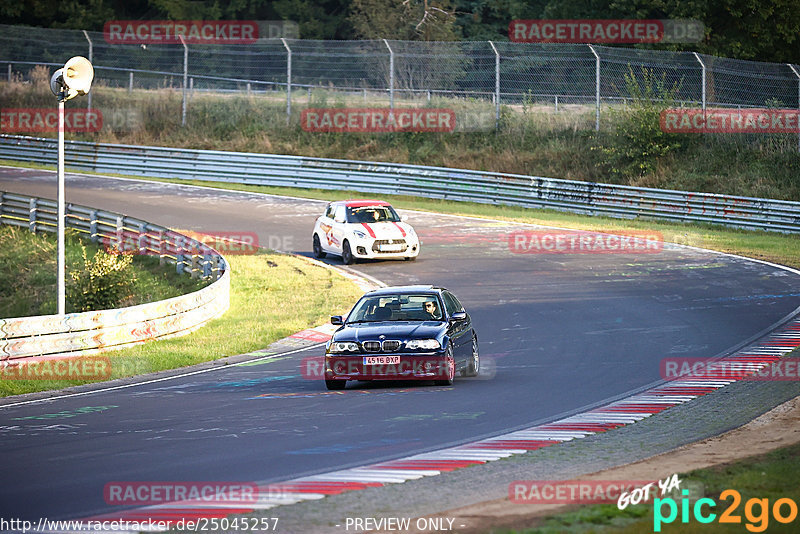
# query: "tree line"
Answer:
x=761 y=30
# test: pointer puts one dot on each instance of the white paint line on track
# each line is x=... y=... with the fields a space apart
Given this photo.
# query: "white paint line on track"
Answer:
x=155 y=380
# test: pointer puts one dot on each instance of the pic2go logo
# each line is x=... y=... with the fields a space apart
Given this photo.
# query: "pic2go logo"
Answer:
x=756 y=511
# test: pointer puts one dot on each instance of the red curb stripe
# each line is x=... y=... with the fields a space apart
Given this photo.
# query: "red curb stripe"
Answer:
x=441 y=465
x=513 y=444
x=578 y=427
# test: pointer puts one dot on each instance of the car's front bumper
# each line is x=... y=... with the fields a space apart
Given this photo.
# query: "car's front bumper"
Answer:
x=412 y=366
x=371 y=249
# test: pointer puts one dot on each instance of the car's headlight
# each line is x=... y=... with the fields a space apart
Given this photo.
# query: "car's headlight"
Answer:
x=343 y=346
x=424 y=344
x=359 y=234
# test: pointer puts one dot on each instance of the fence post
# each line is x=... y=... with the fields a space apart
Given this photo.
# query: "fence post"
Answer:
x=32 y=208
x=120 y=233
x=2 y=198
x=130 y=81
x=206 y=265
x=142 y=238
x=185 y=77
x=90 y=61
x=597 y=88
x=702 y=80
x=162 y=248
x=93 y=225
x=179 y=254
x=195 y=265
x=391 y=74
x=496 y=87
x=9 y=72
x=288 y=80
x=794 y=70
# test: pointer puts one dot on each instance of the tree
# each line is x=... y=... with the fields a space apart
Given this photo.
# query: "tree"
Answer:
x=488 y=20
x=406 y=20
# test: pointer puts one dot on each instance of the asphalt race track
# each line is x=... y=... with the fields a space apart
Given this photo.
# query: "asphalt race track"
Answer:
x=558 y=334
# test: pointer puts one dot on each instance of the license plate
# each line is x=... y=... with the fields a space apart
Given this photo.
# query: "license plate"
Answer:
x=390 y=248
x=381 y=360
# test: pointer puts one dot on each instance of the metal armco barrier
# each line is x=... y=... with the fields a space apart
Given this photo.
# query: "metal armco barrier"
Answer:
x=73 y=334
x=433 y=182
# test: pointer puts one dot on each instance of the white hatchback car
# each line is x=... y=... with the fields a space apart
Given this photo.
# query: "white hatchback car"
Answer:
x=364 y=229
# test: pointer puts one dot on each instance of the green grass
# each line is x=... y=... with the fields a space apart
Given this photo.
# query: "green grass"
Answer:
x=770 y=476
x=272 y=296
x=532 y=140
x=28 y=277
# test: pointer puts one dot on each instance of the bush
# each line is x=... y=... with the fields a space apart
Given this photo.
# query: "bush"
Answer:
x=637 y=141
x=105 y=281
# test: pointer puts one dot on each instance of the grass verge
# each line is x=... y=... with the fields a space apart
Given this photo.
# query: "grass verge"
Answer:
x=532 y=139
x=770 y=476
x=272 y=296
x=28 y=276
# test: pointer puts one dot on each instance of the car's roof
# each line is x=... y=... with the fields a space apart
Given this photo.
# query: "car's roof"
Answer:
x=394 y=290
x=361 y=202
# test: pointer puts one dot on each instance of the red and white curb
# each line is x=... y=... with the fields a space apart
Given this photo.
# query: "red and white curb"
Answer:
x=752 y=358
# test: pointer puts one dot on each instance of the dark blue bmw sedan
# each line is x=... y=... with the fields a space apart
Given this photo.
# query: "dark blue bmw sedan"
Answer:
x=403 y=333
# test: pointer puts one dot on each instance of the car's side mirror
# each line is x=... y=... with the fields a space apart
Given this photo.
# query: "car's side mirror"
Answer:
x=403 y=218
x=337 y=319
x=458 y=316
x=338 y=220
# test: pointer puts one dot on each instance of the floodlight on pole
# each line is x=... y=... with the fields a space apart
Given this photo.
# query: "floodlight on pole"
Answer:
x=73 y=79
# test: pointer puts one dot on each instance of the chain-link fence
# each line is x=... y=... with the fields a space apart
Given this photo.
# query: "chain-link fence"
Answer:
x=385 y=72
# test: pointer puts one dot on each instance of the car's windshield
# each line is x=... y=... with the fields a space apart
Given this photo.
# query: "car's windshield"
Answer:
x=405 y=307
x=371 y=214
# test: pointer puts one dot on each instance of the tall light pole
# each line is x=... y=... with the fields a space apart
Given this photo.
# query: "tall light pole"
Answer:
x=74 y=79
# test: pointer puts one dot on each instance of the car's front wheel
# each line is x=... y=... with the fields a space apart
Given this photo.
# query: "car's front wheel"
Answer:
x=474 y=364
x=347 y=254
x=318 y=252
x=450 y=368
x=335 y=385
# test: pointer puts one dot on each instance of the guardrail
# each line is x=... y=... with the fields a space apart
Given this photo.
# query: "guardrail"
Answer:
x=73 y=334
x=398 y=179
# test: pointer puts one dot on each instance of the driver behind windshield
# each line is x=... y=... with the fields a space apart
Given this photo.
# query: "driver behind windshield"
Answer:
x=371 y=215
x=431 y=310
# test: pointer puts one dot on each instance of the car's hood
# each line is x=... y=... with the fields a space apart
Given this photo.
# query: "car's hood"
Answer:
x=391 y=329
x=385 y=230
